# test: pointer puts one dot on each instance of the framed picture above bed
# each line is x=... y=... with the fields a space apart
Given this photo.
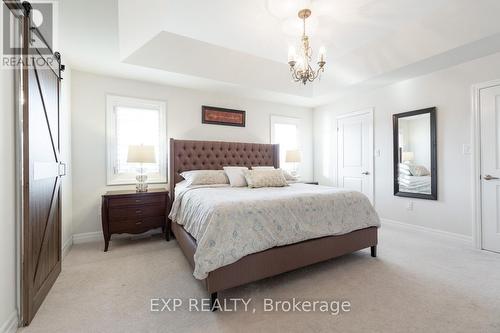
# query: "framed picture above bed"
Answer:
x=220 y=116
x=415 y=154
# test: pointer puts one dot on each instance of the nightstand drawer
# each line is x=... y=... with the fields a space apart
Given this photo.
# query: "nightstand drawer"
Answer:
x=136 y=212
x=135 y=226
x=144 y=200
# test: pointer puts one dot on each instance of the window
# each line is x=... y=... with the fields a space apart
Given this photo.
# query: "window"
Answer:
x=131 y=121
x=285 y=132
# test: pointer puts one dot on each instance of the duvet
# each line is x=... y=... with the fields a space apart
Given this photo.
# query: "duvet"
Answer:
x=229 y=223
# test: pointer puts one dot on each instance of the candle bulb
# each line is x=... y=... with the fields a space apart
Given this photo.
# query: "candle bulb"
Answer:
x=291 y=54
x=322 y=53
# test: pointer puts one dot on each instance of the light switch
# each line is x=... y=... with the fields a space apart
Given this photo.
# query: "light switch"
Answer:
x=467 y=149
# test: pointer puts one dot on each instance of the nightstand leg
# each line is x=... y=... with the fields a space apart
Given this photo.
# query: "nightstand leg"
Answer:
x=374 y=251
x=167 y=231
x=106 y=244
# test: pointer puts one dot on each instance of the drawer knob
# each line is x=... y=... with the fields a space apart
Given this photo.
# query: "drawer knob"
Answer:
x=138 y=222
x=138 y=211
x=138 y=200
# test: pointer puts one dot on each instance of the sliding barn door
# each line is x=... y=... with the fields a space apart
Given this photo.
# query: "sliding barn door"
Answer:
x=42 y=171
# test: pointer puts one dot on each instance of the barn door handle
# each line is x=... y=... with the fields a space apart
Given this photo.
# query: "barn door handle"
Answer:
x=62 y=169
x=366 y=173
x=490 y=177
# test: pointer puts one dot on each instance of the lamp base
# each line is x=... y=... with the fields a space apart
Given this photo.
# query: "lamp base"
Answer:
x=141 y=185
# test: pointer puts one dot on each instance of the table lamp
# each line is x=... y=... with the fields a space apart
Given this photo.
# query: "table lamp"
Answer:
x=141 y=154
x=293 y=156
x=408 y=156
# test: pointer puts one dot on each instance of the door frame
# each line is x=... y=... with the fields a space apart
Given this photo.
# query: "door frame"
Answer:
x=370 y=111
x=477 y=226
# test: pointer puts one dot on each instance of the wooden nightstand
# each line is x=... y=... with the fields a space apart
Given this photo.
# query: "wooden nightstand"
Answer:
x=134 y=212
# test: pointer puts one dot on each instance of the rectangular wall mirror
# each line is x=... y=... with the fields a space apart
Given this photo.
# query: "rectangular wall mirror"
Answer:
x=415 y=154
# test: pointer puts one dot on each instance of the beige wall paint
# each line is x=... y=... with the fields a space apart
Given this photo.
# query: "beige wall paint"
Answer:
x=450 y=91
x=183 y=122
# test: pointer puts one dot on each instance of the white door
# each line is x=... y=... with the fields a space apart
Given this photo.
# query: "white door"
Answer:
x=490 y=167
x=355 y=152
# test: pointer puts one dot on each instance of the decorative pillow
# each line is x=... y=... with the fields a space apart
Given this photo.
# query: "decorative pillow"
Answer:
x=265 y=178
x=205 y=177
x=235 y=175
x=404 y=169
x=419 y=170
x=263 y=168
x=288 y=175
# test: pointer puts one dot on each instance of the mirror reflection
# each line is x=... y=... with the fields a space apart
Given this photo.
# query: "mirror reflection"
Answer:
x=415 y=154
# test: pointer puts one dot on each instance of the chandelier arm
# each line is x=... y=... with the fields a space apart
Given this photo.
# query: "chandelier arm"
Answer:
x=294 y=75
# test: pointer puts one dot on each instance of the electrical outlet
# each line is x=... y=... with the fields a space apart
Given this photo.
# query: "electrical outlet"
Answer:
x=410 y=205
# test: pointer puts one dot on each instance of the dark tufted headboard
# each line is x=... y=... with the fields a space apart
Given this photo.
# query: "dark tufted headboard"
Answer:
x=188 y=155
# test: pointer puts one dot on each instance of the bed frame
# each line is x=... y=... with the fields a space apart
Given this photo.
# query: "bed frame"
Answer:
x=202 y=155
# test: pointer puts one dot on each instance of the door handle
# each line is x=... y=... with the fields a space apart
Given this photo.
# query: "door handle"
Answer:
x=366 y=173
x=490 y=177
x=62 y=169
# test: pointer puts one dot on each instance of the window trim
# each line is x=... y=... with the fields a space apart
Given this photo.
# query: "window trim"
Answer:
x=112 y=101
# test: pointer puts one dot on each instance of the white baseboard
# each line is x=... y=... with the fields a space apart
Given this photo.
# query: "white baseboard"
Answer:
x=87 y=237
x=67 y=246
x=96 y=236
x=463 y=238
x=10 y=326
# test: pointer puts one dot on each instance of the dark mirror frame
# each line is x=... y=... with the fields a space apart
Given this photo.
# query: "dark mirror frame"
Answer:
x=433 y=143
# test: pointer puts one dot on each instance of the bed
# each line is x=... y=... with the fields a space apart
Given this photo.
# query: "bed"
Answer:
x=267 y=256
x=410 y=183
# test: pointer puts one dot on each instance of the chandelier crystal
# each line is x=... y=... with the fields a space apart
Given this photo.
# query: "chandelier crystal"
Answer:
x=300 y=65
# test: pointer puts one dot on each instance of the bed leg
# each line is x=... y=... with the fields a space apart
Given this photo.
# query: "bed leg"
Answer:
x=374 y=251
x=213 y=298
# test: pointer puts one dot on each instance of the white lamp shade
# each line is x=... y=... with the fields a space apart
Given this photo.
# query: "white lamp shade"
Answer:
x=141 y=154
x=408 y=156
x=293 y=156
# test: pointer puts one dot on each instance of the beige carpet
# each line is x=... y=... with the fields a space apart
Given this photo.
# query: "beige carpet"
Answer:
x=419 y=283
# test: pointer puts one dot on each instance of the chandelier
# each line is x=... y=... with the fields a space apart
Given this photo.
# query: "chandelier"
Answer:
x=300 y=66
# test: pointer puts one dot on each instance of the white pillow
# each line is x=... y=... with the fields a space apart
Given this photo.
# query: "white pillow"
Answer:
x=205 y=177
x=265 y=178
x=288 y=175
x=235 y=175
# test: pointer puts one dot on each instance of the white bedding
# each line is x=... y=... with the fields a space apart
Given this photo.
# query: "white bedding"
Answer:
x=229 y=223
x=415 y=184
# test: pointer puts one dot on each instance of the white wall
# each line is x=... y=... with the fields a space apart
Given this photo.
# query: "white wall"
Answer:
x=183 y=122
x=450 y=91
x=8 y=266
x=67 y=190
